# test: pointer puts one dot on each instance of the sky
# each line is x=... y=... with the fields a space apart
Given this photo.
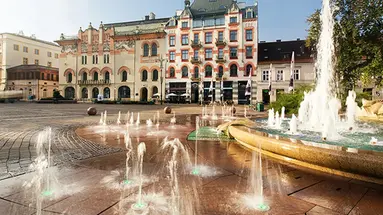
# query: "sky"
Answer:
x=47 y=19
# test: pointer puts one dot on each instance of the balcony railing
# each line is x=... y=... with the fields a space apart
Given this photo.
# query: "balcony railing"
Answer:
x=196 y=44
x=195 y=60
x=220 y=42
x=93 y=82
x=220 y=59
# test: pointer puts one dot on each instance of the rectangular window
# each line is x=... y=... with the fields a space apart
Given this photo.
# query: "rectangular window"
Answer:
x=208 y=37
x=172 y=56
x=220 y=36
x=249 y=52
x=249 y=35
x=36 y=62
x=233 y=36
x=220 y=21
x=197 y=23
x=185 y=24
x=209 y=22
x=233 y=19
x=16 y=47
x=265 y=75
x=296 y=74
x=95 y=59
x=220 y=53
x=195 y=54
x=25 y=49
x=49 y=54
x=185 y=39
x=208 y=54
x=249 y=14
x=172 y=40
x=279 y=75
x=49 y=64
x=185 y=55
x=56 y=55
x=37 y=52
x=196 y=38
x=25 y=61
x=233 y=53
x=84 y=59
x=106 y=58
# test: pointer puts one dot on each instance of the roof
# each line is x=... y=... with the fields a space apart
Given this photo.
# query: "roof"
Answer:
x=34 y=39
x=143 y=27
x=31 y=67
x=206 y=7
x=138 y=22
x=282 y=50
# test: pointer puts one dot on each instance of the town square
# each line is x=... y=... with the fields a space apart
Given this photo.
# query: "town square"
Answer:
x=195 y=113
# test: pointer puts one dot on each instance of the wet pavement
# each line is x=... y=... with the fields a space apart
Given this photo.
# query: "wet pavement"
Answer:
x=84 y=156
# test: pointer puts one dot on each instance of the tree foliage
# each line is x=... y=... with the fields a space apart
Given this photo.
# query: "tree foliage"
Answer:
x=291 y=101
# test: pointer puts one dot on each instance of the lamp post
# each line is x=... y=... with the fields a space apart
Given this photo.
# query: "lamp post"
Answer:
x=162 y=78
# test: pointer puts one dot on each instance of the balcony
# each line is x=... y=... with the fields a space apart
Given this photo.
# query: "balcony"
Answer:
x=220 y=43
x=195 y=60
x=196 y=44
x=220 y=59
x=93 y=82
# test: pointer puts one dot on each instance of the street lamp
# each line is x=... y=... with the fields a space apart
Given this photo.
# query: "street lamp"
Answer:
x=162 y=78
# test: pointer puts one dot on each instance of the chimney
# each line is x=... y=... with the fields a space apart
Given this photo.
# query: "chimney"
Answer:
x=298 y=39
x=279 y=40
x=152 y=16
x=147 y=18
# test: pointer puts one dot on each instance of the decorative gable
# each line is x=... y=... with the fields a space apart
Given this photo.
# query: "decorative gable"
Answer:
x=234 y=7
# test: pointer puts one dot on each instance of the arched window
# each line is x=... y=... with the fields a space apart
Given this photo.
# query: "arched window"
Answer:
x=208 y=71
x=84 y=93
x=84 y=76
x=95 y=93
x=107 y=76
x=69 y=78
x=172 y=73
x=155 y=90
x=107 y=93
x=220 y=71
x=146 y=50
x=95 y=76
x=154 y=49
x=233 y=70
x=155 y=75
x=124 y=92
x=69 y=93
x=196 y=72
x=185 y=72
x=144 y=75
x=249 y=69
x=124 y=76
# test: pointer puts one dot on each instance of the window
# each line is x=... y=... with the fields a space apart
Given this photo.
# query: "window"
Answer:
x=249 y=14
x=42 y=76
x=25 y=49
x=249 y=69
x=233 y=70
x=154 y=49
x=144 y=75
x=197 y=23
x=280 y=75
x=220 y=53
x=146 y=50
x=249 y=35
x=185 y=39
x=16 y=47
x=209 y=22
x=172 y=23
x=296 y=74
x=124 y=76
x=106 y=58
x=249 y=52
x=208 y=71
x=172 y=56
x=196 y=72
x=84 y=76
x=107 y=76
x=84 y=60
x=95 y=76
x=220 y=21
x=220 y=71
x=185 y=55
x=233 y=52
x=49 y=54
x=49 y=64
x=195 y=56
x=172 y=40
x=185 y=72
x=155 y=75
x=220 y=36
x=208 y=37
x=265 y=75
x=208 y=54
x=196 y=38
x=185 y=24
x=25 y=61
x=37 y=52
x=95 y=59
x=107 y=93
x=233 y=19
x=36 y=62
x=69 y=78
x=56 y=55
x=233 y=36
x=172 y=72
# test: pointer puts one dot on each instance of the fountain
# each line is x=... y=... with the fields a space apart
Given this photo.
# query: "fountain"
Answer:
x=245 y=112
x=131 y=119
x=277 y=121
x=283 y=113
x=158 y=119
x=293 y=125
x=127 y=116
x=105 y=115
x=149 y=123
x=129 y=148
x=173 y=119
x=140 y=205
x=271 y=120
x=138 y=120
x=119 y=118
x=213 y=114
x=197 y=127
x=101 y=119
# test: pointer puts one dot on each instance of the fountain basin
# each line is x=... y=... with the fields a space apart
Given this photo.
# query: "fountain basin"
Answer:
x=353 y=163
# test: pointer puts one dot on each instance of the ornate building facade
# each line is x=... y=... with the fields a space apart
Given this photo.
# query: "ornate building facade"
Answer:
x=120 y=61
x=212 y=43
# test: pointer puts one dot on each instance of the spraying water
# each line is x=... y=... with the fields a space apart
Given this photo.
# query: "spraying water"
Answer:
x=127 y=119
x=101 y=119
x=197 y=127
x=129 y=148
x=105 y=115
x=140 y=205
x=293 y=125
x=277 y=121
x=131 y=119
x=173 y=119
x=283 y=113
x=119 y=118
x=138 y=120
x=213 y=114
x=149 y=123
x=158 y=119
x=271 y=120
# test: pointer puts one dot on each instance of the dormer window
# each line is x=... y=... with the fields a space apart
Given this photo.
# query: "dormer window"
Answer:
x=249 y=14
x=185 y=24
x=172 y=22
x=233 y=19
